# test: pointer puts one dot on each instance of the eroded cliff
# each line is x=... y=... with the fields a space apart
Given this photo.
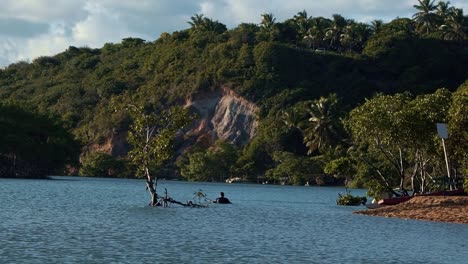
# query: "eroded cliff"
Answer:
x=223 y=114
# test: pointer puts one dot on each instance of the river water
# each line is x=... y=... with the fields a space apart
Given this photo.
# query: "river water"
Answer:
x=93 y=220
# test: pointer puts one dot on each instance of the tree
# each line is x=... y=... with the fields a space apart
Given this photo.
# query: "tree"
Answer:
x=268 y=28
x=152 y=136
x=197 y=21
x=104 y=165
x=342 y=167
x=426 y=18
x=215 y=164
x=355 y=36
x=335 y=31
x=378 y=124
x=268 y=22
x=33 y=145
x=291 y=169
x=457 y=124
x=200 y=23
x=324 y=127
x=453 y=27
x=317 y=31
x=376 y=26
x=303 y=23
x=443 y=10
x=424 y=151
x=399 y=131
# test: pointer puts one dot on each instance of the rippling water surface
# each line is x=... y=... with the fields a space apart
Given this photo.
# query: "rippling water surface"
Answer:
x=89 y=220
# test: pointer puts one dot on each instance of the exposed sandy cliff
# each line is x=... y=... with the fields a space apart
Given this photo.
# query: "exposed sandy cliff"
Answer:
x=223 y=114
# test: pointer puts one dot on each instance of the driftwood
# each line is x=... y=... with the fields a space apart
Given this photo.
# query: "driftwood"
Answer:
x=164 y=201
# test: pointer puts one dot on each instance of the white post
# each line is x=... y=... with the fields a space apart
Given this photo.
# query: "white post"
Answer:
x=443 y=134
x=447 y=163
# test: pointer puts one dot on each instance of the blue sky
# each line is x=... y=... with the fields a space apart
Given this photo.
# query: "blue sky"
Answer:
x=32 y=28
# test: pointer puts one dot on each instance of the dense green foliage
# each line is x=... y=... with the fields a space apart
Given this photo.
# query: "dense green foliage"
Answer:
x=398 y=140
x=305 y=74
x=104 y=165
x=348 y=199
x=33 y=145
x=215 y=164
x=152 y=134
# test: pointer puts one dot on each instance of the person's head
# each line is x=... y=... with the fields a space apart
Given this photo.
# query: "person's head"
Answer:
x=222 y=194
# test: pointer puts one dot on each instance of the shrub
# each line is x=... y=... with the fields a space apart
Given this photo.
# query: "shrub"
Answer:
x=349 y=199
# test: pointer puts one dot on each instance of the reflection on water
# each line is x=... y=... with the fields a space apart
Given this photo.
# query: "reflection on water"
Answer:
x=87 y=220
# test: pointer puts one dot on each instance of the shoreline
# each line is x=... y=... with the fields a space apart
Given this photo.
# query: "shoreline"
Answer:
x=447 y=209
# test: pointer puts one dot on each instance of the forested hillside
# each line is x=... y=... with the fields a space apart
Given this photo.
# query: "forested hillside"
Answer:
x=284 y=69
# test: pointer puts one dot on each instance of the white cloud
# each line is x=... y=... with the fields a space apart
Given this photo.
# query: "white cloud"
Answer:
x=100 y=25
x=41 y=10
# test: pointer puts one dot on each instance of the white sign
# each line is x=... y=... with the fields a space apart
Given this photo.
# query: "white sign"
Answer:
x=442 y=130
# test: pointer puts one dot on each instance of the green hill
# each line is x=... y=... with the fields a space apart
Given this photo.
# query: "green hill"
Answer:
x=275 y=66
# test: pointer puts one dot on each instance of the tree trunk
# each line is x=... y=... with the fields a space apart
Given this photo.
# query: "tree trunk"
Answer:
x=151 y=187
x=402 y=172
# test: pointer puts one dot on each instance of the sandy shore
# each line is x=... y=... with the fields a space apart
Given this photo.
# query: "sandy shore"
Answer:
x=452 y=209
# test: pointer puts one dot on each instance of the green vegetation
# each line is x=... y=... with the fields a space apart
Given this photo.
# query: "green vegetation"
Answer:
x=215 y=164
x=340 y=101
x=105 y=165
x=152 y=135
x=349 y=199
x=397 y=137
x=33 y=145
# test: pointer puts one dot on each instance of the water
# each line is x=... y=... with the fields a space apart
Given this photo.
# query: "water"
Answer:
x=89 y=220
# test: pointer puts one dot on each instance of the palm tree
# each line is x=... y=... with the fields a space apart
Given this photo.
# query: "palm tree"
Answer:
x=268 y=22
x=376 y=26
x=425 y=18
x=303 y=23
x=324 y=124
x=355 y=35
x=200 y=23
x=316 y=34
x=213 y=25
x=335 y=31
x=453 y=28
x=443 y=10
x=197 y=21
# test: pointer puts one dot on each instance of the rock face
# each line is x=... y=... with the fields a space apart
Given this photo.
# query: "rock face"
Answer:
x=223 y=114
x=116 y=146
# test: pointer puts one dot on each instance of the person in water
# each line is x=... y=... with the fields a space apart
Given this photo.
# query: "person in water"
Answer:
x=222 y=199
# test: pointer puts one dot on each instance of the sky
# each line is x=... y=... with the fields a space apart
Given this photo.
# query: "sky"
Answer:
x=33 y=28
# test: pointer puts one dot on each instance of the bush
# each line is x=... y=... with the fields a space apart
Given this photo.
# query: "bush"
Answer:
x=104 y=165
x=349 y=199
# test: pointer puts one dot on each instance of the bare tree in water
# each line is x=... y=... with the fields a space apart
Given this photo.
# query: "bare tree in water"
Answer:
x=152 y=136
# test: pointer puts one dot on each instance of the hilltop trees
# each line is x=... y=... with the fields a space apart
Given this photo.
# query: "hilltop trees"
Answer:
x=441 y=18
x=200 y=23
x=335 y=31
x=453 y=27
x=426 y=17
